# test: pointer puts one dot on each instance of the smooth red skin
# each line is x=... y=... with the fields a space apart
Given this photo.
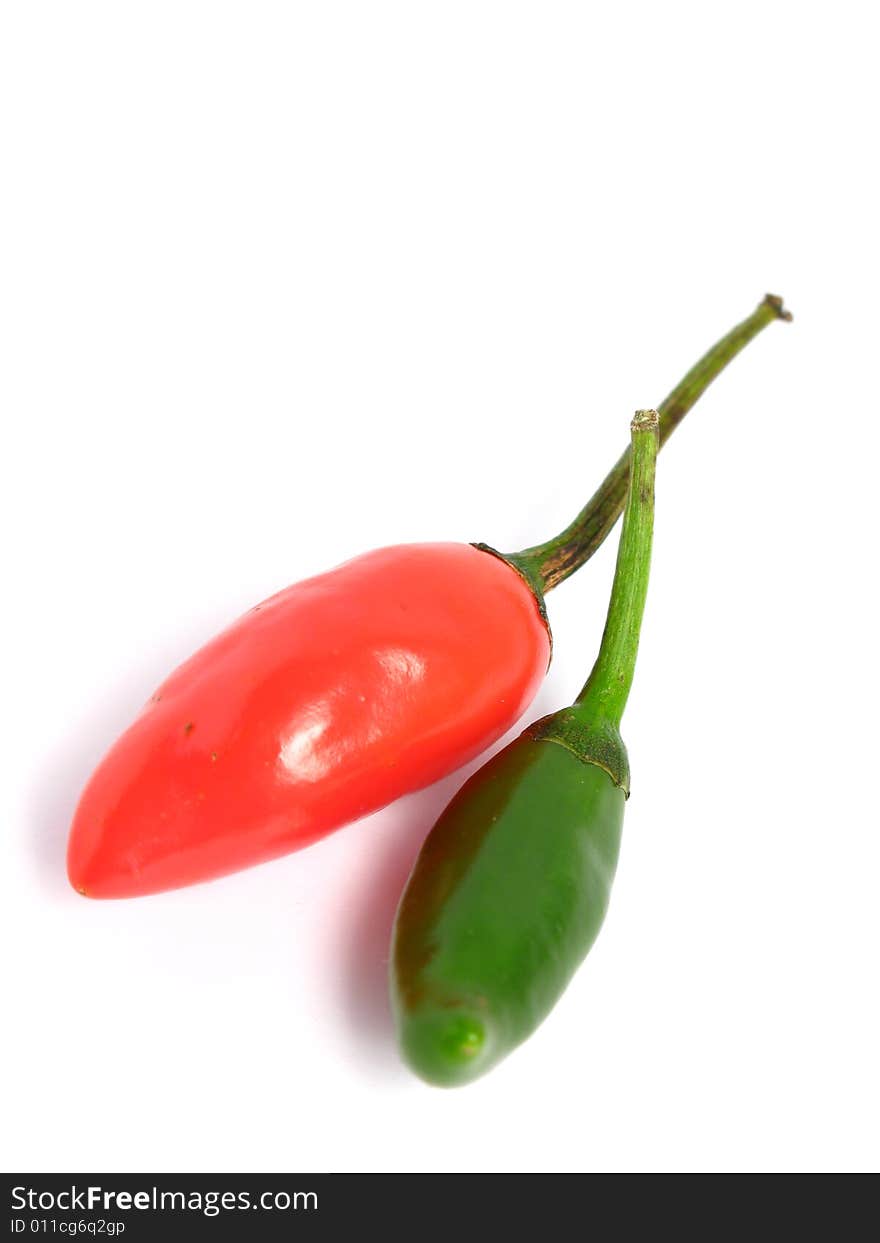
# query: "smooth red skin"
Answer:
x=319 y=706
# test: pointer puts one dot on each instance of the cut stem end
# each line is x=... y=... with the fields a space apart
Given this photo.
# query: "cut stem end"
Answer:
x=776 y=305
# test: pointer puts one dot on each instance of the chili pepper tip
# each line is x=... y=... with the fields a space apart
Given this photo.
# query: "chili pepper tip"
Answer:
x=444 y=1047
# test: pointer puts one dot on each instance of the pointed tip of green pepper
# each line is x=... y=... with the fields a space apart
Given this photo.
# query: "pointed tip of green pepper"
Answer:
x=445 y=1047
x=507 y=895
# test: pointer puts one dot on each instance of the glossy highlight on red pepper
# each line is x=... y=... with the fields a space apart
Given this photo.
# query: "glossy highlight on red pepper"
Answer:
x=321 y=705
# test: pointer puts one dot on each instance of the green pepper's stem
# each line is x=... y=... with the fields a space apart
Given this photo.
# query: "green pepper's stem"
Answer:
x=607 y=689
x=547 y=564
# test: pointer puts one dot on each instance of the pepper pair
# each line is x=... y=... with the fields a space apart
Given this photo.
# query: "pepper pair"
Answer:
x=339 y=694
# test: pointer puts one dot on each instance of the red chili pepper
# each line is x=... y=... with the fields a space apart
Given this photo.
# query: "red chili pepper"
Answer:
x=327 y=701
x=337 y=696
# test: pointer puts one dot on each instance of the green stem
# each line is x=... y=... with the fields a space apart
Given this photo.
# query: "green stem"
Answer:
x=607 y=689
x=546 y=565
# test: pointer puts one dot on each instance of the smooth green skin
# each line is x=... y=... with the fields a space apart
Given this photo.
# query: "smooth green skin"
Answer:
x=506 y=898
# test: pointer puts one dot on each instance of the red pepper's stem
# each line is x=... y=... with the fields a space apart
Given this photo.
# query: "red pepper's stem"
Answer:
x=546 y=565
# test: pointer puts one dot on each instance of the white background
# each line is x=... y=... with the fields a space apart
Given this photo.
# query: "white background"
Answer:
x=282 y=282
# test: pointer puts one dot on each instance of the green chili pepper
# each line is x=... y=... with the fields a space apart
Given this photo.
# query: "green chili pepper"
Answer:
x=512 y=884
